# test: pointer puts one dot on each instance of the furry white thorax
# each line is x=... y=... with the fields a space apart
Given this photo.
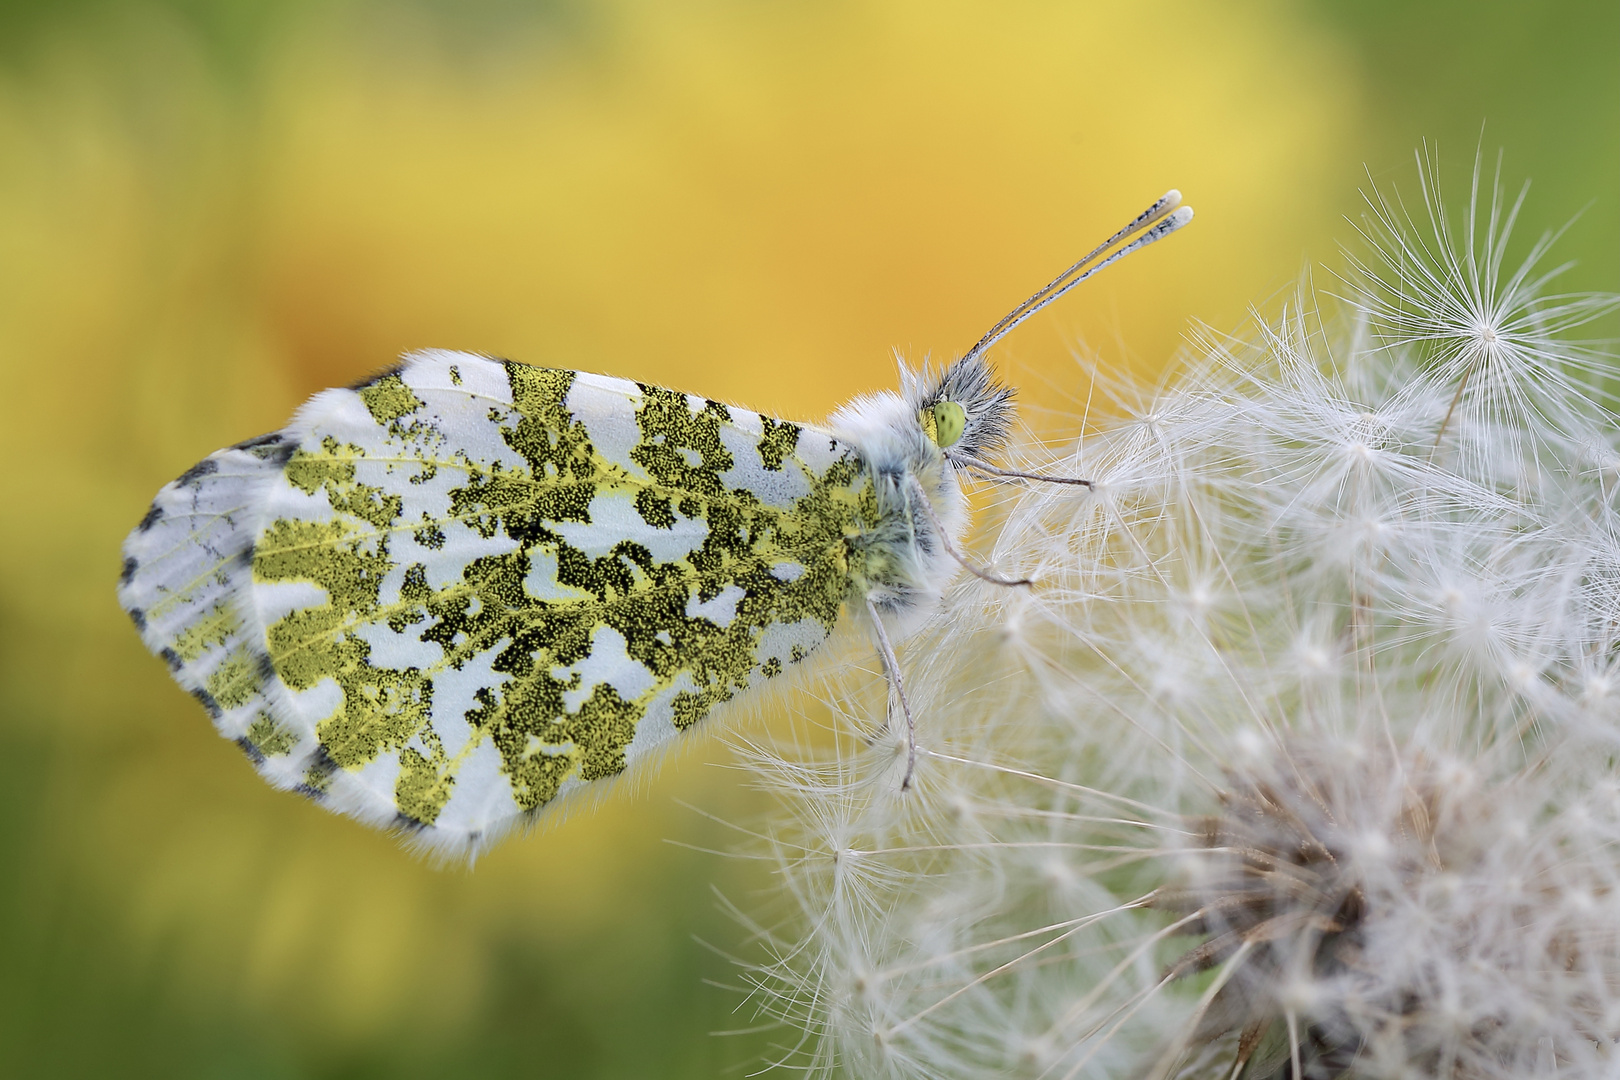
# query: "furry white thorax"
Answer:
x=885 y=431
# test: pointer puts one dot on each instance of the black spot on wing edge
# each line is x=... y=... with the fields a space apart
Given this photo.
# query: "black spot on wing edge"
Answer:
x=377 y=377
x=127 y=575
x=253 y=753
x=207 y=701
x=203 y=468
x=275 y=447
x=171 y=658
x=153 y=515
x=269 y=438
x=320 y=765
x=138 y=617
x=405 y=823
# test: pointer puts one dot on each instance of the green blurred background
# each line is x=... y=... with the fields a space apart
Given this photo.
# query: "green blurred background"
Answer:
x=209 y=210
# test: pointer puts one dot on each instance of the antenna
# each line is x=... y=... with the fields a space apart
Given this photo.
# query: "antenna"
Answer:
x=1164 y=219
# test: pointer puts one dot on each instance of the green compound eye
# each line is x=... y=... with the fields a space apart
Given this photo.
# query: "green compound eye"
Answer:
x=948 y=418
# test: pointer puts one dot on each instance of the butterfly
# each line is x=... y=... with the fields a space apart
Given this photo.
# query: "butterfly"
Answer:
x=447 y=598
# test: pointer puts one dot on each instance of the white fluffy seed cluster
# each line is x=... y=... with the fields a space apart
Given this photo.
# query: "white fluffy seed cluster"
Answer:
x=1301 y=758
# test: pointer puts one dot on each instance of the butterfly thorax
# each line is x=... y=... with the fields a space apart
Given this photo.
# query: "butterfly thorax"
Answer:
x=900 y=562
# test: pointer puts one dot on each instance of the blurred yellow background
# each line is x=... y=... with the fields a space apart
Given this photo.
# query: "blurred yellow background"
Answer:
x=208 y=210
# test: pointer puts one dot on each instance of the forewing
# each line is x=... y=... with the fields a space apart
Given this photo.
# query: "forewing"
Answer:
x=448 y=597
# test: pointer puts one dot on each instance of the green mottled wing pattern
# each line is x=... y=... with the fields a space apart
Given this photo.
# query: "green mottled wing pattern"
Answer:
x=446 y=598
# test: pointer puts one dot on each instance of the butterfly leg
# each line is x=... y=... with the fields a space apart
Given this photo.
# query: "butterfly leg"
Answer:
x=950 y=548
x=891 y=668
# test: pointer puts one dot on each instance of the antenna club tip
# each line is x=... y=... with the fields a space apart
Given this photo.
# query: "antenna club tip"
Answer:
x=1171 y=198
x=1182 y=216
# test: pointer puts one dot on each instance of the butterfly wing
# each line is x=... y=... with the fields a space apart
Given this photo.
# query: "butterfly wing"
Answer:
x=446 y=598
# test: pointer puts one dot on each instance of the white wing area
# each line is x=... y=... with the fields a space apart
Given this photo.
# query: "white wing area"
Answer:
x=446 y=599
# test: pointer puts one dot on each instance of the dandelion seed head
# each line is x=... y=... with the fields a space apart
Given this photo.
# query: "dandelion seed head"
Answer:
x=1313 y=658
x=1521 y=676
x=1059 y=875
x=1306 y=744
x=1249 y=745
x=1037 y=1055
x=1485 y=333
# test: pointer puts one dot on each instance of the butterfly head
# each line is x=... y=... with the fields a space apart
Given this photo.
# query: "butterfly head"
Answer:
x=965 y=408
